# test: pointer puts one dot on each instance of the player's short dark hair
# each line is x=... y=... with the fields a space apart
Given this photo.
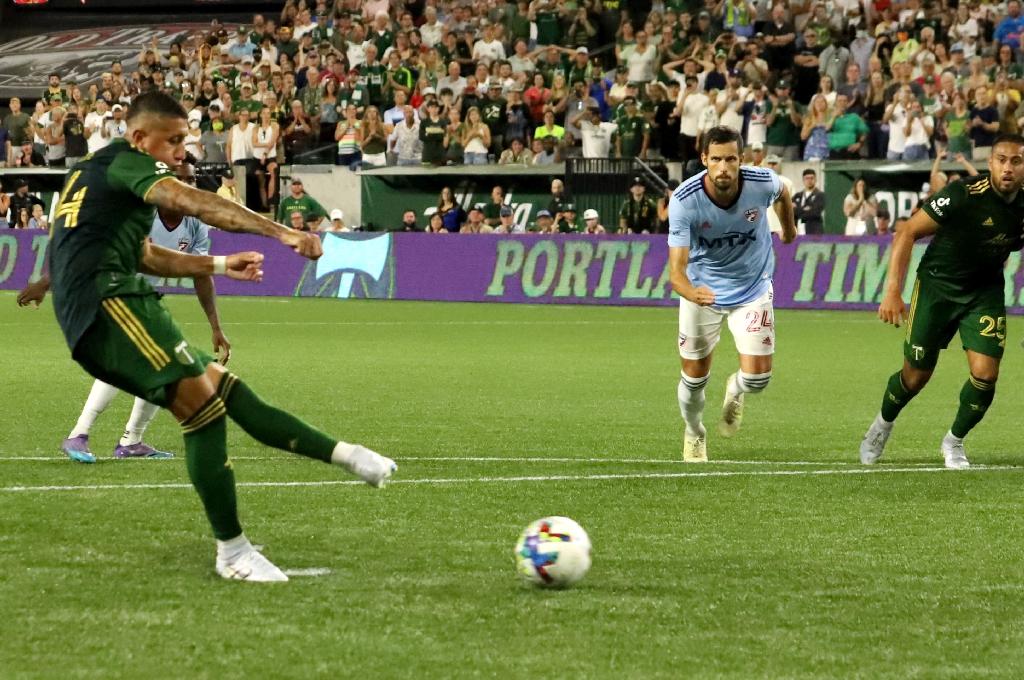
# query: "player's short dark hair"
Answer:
x=720 y=134
x=1008 y=138
x=809 y=171
x=155 y=103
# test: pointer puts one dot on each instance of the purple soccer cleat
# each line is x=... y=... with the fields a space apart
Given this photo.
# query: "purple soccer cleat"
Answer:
x=140 y=450
x=77 y=449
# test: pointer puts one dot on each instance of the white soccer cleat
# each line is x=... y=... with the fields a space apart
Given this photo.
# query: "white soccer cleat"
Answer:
x=732 y=411
x=873 y=445
x=371 y=467
x=954 y=454
x=695 y=448
x=250 y=566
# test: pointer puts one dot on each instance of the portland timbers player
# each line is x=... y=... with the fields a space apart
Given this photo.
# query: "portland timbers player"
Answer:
x=974 y=224
x=119 y=331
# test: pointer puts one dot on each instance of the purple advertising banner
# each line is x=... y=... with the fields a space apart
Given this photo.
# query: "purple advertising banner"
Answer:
x=823 y=272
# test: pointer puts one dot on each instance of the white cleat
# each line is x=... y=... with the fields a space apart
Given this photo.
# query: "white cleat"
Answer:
x=695 y=447
x=953 y=453
x=251 y=566
x=732 y=411
x=873 y=445
x=371 y=467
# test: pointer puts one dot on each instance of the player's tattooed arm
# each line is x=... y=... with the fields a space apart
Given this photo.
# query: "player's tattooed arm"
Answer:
x=678 y=258
x=893 y=310
x=219 y=212
x=164 y=262
x=784 y=209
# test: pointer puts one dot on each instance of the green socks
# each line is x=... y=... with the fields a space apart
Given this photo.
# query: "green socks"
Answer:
x=272 y=426
x=975 y=398
x=206 y=456
x=896 y=397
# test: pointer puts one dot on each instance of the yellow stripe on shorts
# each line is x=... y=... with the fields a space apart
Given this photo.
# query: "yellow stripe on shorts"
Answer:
x=913 y=307
x=156 y=357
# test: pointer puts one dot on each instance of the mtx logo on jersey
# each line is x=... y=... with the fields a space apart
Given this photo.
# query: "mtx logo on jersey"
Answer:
x=731 y=239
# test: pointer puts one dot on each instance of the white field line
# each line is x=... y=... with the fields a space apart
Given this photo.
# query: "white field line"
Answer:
x=58 y=458
x=520 y=479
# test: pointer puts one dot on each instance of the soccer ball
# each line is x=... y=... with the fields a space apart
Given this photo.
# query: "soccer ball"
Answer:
x=553 y=552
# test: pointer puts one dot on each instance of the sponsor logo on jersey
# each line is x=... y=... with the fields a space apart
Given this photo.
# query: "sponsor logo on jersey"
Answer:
x=938 y=204
x=751 y=214
x=731 y=239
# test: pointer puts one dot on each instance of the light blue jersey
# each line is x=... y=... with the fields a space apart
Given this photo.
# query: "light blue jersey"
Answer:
x=730 y=247
x=191 y=236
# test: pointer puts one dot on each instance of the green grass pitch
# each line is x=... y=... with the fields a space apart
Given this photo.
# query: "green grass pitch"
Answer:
x=781 y=558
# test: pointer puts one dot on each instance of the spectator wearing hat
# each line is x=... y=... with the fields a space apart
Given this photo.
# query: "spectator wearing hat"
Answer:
x=783 y=122
x=596 y=134
x=806 y=70
x=639 y=212
x=633 y=133
x=433 y=130
x=114 y=127
x=581 y=69
x=592 y=222
x=22 y=199
x=506 y=222
x=214 y=137
x=494 y=112
x=299 y=200
x=545 y=222
x=578 y=106
x=335 y=223
x=241 y=47
x=228 y=188
x=809 y=204
x=569 y=221
x=475 y=222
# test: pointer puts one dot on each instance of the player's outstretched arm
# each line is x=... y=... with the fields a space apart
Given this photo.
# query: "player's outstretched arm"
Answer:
x=164 y=262
x=678 y=258
x=219 y=212
x=784 y=209
x=893 y=310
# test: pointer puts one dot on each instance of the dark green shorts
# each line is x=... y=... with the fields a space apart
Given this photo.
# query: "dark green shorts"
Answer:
x=135 y=346
x=934 y=319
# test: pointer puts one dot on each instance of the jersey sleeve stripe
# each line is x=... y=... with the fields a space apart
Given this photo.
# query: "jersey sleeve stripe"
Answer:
x=146 y=195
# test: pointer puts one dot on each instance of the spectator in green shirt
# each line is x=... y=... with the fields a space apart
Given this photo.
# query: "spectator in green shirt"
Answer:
x=633 y=134
x=298 y=200
x=846 y=133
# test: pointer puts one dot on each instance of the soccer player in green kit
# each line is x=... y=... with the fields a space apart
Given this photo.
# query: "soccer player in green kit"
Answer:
x=974 y=224
x=120 y=333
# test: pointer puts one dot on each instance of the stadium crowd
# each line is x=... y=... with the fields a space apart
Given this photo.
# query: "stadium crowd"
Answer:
x=439 y=82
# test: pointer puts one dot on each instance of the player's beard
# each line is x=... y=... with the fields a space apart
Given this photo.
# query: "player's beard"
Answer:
x=725 y=185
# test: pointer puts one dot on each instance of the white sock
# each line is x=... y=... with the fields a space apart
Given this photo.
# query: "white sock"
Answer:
x=882 y=422
x=99 y=399
x=743 y=383
x=342 y=454
x=230 y=550
x=142 y=415
x=953 y=438
x=691 y=402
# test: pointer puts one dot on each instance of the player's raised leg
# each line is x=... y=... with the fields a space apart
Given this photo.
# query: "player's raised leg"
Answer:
x=131 y=444
x=753 y=329
x=76 y=446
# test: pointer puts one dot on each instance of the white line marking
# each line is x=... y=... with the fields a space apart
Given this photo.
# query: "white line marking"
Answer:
x=499 y=459
x=468 y=322
x=526 y=478
x=311 y=571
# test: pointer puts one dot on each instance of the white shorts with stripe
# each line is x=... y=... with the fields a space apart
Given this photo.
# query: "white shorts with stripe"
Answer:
x=752 y=326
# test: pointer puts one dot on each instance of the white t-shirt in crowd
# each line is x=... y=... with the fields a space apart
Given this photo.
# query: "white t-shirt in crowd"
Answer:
x=95 y=142
x=597 y=139
x=732 y=116
x=693 y=105
x=897 y=139
x=241 y=143
x=641 y=64
x=918 y=135
x=488 y=51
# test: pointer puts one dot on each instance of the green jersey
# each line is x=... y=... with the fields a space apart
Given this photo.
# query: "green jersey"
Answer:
x=305 y=204
x=977 y=231
x=101 y=222
x=631 y=131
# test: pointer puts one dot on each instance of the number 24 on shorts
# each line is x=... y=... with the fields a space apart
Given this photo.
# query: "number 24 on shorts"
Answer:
x=759 y=320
